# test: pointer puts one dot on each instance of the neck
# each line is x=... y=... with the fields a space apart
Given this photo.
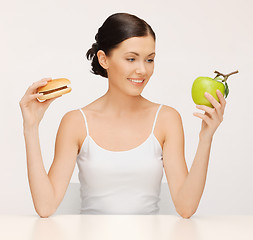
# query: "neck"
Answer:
x=119 y=104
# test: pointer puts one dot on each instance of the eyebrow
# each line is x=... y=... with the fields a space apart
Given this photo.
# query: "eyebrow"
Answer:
x=137 y=54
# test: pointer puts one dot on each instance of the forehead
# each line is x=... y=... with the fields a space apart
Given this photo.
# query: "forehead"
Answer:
x=144 y=45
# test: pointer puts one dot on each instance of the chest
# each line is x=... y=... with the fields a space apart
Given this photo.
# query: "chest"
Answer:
x=123 y=134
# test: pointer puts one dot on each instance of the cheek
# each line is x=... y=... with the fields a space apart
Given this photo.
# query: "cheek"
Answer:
x=150 y=69
x=120 y=68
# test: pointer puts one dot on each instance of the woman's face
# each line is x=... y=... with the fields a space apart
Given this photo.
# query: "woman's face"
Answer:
x=133 y=59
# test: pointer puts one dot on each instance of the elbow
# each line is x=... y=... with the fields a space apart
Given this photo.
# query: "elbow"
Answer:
x=185 y=210
x=186 y=214
x=45 y=213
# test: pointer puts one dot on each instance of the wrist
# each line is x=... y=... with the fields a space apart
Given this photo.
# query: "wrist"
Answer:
x=205 y=137
x=30 y=127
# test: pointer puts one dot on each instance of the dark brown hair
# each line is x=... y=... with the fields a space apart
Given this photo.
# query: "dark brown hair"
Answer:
x=116 y=28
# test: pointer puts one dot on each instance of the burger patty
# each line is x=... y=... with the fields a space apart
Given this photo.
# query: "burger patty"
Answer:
x=54 y=90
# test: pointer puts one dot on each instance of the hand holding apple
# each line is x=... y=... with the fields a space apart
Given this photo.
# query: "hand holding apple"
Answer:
x=210 y=85
x=212 y=117
x=212 y=103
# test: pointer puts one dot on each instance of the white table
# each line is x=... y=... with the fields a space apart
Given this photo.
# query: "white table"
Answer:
x=125 y=227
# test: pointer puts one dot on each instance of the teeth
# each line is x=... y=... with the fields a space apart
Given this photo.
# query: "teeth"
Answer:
x=137 y=81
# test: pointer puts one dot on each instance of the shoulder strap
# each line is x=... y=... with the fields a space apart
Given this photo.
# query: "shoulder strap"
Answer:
x=156 y=117
x=86 y=124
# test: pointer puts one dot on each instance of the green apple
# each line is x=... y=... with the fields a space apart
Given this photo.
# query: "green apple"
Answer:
x=206 y=84
x=210 y=85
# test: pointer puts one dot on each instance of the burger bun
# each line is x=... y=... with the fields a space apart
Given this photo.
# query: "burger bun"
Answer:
x=54 y=88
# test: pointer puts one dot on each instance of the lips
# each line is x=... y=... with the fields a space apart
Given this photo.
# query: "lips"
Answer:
x=138 y=79
x=136 y=83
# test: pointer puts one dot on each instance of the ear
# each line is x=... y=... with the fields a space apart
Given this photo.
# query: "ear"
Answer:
x=102 y=59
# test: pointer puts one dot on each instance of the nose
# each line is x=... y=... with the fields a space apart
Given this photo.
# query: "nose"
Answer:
x=141 y=69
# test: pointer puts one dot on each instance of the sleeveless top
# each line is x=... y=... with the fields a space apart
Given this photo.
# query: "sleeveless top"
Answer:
x=120 y=182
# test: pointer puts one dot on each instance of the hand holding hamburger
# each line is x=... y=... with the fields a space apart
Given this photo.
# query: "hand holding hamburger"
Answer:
x=45 y=90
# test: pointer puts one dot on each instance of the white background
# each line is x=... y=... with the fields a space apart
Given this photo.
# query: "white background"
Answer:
x=50 y=38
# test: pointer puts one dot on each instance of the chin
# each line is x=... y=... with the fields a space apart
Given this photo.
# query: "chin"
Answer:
x=135 y=93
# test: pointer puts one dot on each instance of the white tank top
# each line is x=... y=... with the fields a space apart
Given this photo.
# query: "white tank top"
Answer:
x=120 y=182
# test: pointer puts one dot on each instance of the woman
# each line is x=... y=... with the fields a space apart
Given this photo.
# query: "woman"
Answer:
x=121 y=141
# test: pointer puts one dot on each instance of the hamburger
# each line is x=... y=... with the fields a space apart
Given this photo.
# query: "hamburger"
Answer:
x=54 y=88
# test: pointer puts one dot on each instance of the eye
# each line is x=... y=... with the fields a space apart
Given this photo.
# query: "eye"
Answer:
x=130 y=59
x=150 y=60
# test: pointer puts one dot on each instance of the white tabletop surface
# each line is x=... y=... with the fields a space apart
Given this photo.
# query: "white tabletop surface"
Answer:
x=130 y=227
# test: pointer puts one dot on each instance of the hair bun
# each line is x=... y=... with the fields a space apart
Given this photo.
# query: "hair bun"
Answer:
x=92 y=51
x=95 y=46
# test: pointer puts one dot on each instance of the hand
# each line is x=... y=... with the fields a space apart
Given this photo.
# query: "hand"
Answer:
x=213 y=116
x=32 y=109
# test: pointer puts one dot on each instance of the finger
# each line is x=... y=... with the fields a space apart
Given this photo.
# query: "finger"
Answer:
x=203 y=117
x=209 y=115
x=34 y=96
x=221 y=98
x=33 y=88
x=210 y=111
x=26 y=99
x=221 y=108
x=212 y=100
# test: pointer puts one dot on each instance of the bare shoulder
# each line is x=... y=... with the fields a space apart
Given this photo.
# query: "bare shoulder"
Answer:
x=170 y=119
x=170 y=113
x=72 y=117
x=74 y=122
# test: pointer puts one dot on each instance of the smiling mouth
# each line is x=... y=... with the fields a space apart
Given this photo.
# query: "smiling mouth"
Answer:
x=136 y=80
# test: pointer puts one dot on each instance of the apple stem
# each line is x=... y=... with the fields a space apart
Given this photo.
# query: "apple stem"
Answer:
x=225 y=75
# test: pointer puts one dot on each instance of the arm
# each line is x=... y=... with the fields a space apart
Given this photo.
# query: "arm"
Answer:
x=40 y=185
x=187 y=188
x=48 y=189
x=191 y=191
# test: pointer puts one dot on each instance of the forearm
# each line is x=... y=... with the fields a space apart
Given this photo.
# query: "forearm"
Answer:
x=191 y=191
x=39 y=182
